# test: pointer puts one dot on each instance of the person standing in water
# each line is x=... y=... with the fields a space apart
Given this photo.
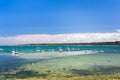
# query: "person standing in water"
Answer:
x=68 y=49
x=60 y=50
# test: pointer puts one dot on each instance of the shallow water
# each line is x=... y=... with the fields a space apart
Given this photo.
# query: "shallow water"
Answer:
x=33 y=49
x=83 y=62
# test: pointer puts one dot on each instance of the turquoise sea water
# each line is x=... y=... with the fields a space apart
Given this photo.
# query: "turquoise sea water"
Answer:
x=31 y=49
x=41 y=52
x=80 y=60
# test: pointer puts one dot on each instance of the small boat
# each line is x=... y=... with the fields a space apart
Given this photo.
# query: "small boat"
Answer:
x=15 y=53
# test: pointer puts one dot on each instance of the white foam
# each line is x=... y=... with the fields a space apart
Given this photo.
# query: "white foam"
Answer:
x=42 y=55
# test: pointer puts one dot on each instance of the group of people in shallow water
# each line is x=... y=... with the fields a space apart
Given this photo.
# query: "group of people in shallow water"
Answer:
x=60 y=50
x=52 y=50
x=15 y=53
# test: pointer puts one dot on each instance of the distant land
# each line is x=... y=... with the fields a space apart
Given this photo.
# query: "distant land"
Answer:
x=93 y=43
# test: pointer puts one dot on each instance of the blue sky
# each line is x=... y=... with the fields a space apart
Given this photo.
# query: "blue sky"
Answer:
x=18 y=17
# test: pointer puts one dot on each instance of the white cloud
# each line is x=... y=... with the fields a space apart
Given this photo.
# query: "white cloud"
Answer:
x=61 y=38
x=118 y=30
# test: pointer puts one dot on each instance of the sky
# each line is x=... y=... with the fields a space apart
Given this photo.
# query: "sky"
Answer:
x=57 y=17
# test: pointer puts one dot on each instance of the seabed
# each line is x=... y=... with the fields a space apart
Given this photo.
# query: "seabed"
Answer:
x=44 y=66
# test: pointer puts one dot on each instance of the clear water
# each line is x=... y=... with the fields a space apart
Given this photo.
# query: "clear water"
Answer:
x=32 y=49
x=32 y=52
x=106 y=59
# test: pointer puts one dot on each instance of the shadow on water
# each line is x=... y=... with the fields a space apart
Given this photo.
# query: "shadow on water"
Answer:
x=25 y=74
x=96 y=70
x=12 y=63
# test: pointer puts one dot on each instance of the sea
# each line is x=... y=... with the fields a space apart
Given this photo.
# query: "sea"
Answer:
x=34 y=49
x=56 y=57
x=48 y=51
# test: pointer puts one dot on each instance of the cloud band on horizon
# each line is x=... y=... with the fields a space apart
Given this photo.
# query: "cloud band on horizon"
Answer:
x=61 y=38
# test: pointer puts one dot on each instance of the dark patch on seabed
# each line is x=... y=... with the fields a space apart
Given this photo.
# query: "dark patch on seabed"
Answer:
x=25 y=74
x=7 y=70
x=96 y=70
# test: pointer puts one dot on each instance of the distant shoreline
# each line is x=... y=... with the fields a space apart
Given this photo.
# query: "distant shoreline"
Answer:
x=117 y=43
